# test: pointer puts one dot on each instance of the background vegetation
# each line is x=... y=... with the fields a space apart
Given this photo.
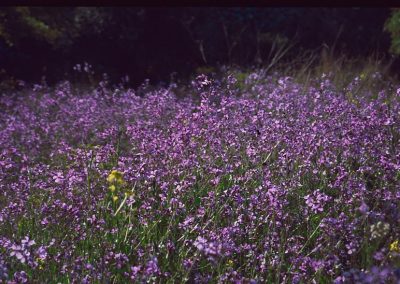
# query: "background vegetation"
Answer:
x=155 y=42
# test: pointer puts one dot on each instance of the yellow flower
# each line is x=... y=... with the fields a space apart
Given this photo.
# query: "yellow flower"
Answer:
x=230 y=262
x=40 y=262
x=129 y=193
x=112 y=188
x=394 y=247
x=115 y=198
x=115 y=177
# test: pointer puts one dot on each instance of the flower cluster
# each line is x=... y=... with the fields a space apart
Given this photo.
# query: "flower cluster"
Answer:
x=379 y=230
x=394 y=247
x=316 y=201
x=115 y=179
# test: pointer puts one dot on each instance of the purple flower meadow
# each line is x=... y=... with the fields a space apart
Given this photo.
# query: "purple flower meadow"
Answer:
x=254 y=180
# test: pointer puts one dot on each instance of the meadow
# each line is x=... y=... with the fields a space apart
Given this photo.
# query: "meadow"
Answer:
x=248 y=178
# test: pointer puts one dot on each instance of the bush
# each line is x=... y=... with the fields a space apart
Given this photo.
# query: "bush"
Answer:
x=392 y=25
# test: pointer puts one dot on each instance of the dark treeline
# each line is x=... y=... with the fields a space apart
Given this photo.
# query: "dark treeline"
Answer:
x=154 y=42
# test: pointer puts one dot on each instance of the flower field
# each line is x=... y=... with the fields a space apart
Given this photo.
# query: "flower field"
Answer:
x=258 y=180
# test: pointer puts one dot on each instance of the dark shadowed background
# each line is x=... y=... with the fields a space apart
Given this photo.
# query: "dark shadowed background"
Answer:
x=155 y=42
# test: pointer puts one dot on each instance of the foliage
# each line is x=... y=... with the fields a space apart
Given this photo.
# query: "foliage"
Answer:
x=392 y=25
x=154 y=42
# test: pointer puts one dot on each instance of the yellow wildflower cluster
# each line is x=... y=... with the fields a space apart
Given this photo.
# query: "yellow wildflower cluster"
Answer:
x=115 y=179
x=394 y=247
x=40 y=263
